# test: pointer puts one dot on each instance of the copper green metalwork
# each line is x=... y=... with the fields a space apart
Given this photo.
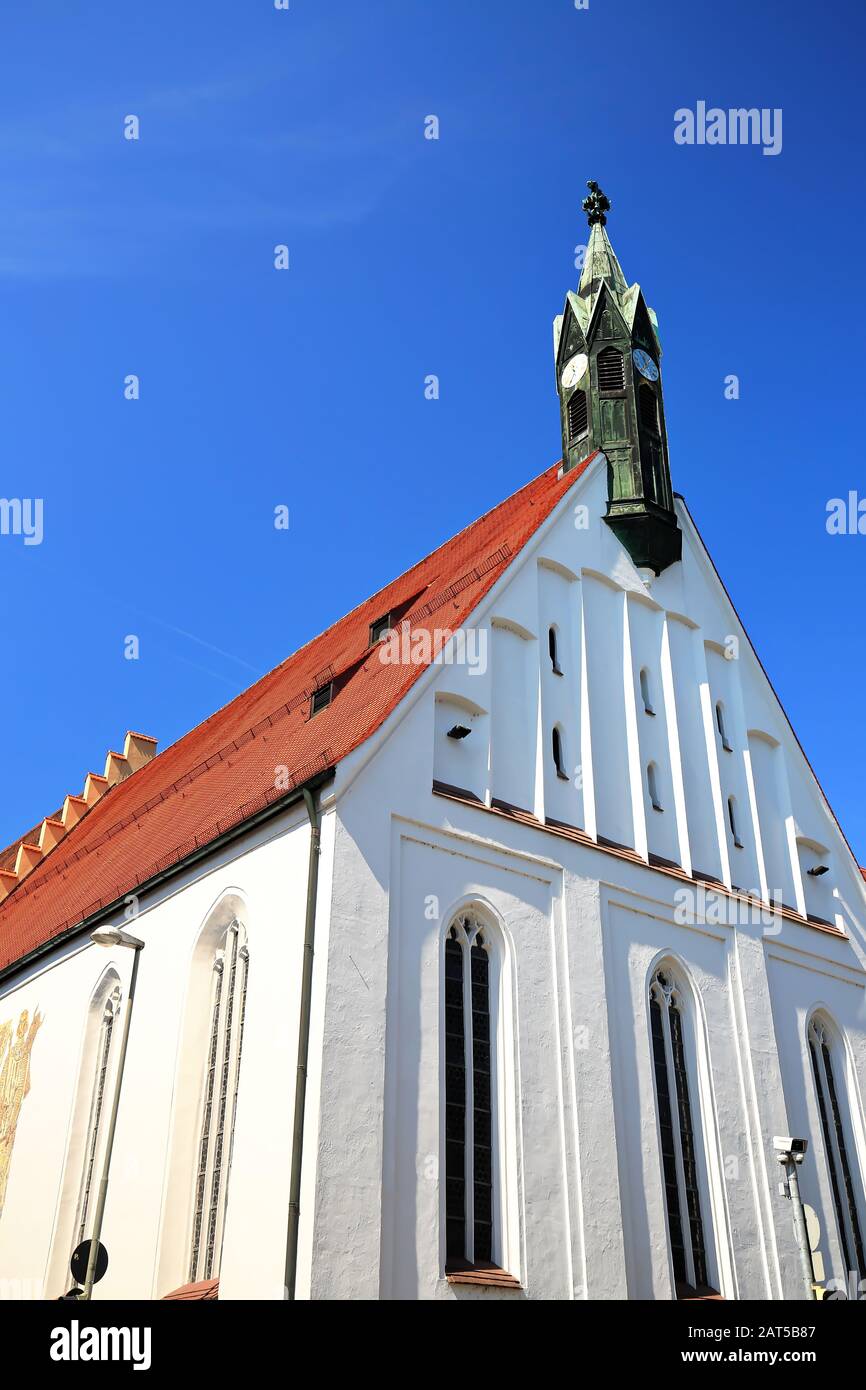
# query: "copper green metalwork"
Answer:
x=604 y=324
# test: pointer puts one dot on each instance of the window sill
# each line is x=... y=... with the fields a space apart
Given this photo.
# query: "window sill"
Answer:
x=482 y=1276
x=686 y=1294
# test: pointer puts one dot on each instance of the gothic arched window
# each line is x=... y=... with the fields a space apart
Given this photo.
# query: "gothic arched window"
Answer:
x=611 y=371
x=578 y=416
x=827 y=1066
x=469 y=1095
x=677 y=1131
x=733 y=822
x=99 y=1106
x=219 y=1096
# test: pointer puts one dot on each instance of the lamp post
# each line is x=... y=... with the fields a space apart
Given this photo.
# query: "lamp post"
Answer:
x=790 y=1153
x=111 y=936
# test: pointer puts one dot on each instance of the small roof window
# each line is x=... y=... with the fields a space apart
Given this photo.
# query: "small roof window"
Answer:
x=321 y=698
x=379 y=628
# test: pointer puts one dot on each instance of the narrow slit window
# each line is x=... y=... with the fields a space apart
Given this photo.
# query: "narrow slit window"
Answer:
x=722 y=726
x=470 y=1112
x=553 y=648
x=578 y=416
x=676 y=1132
x=611 y=372
x=653 y=787
x=821 y=1052
x=732 y=821
x=645 y=692
x=559 y=754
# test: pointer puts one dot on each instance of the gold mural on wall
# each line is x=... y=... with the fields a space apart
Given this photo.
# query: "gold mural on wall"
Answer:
x=14 y=1084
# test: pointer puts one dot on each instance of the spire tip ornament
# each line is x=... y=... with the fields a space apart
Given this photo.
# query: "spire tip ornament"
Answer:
x=597 y=205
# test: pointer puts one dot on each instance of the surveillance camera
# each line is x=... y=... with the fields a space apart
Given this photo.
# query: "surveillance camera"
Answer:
x=785 y=1145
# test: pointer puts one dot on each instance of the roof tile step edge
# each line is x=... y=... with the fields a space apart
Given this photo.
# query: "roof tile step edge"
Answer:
x=138 y=750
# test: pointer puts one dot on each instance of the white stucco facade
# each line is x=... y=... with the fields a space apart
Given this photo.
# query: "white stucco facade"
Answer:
x=585 y=888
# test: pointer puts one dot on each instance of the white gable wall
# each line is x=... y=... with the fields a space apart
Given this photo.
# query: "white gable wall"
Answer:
x=581 y=929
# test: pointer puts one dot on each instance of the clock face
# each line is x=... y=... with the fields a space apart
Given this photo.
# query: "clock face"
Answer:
x=645 y=365
x=574 y=370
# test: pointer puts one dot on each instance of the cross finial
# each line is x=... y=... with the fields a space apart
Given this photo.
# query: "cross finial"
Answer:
x=596 y=205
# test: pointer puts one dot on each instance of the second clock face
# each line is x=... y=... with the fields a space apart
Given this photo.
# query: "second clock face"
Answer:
x=645 y=365
x=574 y=370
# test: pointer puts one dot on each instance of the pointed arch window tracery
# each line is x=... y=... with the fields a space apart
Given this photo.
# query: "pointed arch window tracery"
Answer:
x=824 y=1071
x=469 y=1095
x=677 y=1131
x=96 y=1119
x=219 y=1101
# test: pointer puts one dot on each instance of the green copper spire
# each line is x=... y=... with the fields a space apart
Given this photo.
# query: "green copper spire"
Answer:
x=607 y=353
x=601 y=262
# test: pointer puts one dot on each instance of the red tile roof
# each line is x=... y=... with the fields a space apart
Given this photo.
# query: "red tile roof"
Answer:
x=223 y=771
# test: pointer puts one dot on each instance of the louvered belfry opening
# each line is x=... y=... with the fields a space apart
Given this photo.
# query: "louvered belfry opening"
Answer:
x=578 y=416
x=649 y=415
x=611 y=370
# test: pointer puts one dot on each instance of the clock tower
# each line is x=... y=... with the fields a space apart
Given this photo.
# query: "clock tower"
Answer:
x=607 y=354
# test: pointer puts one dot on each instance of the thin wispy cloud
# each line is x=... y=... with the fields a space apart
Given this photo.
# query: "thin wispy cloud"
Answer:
x=179 y=632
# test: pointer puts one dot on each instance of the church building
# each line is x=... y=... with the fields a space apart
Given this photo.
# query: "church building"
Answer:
x=490 y=947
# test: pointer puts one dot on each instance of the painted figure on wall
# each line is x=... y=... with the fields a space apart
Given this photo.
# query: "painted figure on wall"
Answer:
x=14 y=1084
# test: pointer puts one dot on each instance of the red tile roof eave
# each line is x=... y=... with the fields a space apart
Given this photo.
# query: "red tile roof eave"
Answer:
x=92 y=855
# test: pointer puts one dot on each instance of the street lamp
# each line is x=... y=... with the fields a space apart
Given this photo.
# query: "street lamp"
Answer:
x=111 y=936
x=790 y=1153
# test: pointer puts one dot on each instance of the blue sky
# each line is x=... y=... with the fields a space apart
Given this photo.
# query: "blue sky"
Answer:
x=408 y=257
